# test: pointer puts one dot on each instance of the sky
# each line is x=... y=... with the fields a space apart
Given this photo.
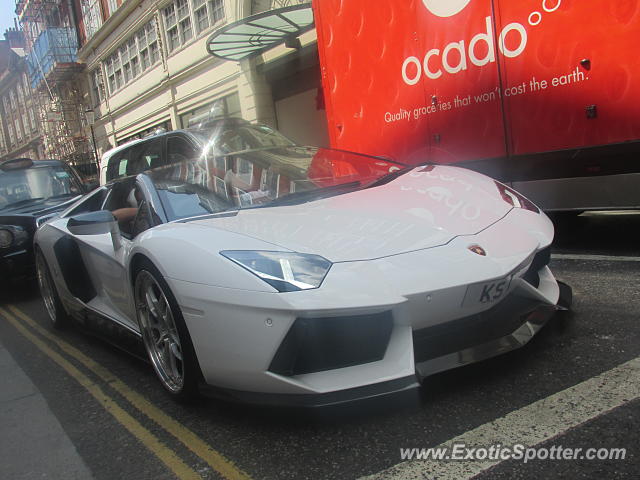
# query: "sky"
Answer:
x=7 y=7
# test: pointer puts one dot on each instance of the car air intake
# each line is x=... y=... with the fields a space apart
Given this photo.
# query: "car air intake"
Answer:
x=540 y=260
x=319 y=344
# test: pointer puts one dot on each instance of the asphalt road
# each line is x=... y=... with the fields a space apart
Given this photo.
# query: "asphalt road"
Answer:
x=598 y=254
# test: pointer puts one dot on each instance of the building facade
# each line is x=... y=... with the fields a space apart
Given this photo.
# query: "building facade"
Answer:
x=56 y=78
x=146 y=67
x=20 y=134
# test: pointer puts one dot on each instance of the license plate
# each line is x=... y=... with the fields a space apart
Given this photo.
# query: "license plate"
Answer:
x=488 y=292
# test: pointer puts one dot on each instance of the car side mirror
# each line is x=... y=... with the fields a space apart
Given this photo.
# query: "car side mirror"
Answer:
x=96 y=223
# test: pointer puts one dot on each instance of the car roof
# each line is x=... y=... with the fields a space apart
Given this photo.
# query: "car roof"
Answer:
x=109 y=153
x=189 y=131
x=48 y=163
x=39 y=163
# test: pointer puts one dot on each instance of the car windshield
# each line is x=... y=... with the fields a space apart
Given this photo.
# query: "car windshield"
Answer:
x=237 y=135
x=36 y=184
x=263 y=178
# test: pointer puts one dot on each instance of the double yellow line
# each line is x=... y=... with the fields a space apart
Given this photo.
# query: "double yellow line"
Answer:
x=27 y=326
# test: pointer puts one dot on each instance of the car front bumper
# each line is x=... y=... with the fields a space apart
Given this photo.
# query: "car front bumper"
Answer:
x=17 y=263
x=508 y=326
x=315 y=347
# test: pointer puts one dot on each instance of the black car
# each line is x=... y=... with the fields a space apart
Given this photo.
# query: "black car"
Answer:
x=31 y=192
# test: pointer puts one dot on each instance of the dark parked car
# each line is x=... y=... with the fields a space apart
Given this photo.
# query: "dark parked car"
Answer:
x=31 y=192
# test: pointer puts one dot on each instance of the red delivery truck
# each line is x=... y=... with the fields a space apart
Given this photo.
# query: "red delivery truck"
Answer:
x=543 y=94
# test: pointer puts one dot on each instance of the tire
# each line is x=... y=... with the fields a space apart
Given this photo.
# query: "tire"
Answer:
x=57 y=314
x=164 y=333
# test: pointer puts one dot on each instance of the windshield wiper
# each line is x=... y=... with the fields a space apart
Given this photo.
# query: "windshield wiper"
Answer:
x=22 y=203
x=308 y=195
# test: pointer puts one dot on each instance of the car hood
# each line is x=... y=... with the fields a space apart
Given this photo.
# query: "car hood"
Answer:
x=424 y=208
x=39 y=208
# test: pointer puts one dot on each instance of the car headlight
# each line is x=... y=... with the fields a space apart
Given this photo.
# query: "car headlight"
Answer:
x=6 y=238
x=12 y=235
x=515 y=199
x=284 y=271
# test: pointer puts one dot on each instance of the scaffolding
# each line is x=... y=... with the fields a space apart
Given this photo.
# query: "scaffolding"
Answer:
x=52 y=45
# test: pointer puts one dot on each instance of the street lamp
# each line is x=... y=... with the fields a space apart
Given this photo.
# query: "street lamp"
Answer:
x=90 y=116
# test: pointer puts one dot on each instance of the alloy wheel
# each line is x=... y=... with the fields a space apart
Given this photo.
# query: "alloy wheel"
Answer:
x=46 y=286
x=159 y=332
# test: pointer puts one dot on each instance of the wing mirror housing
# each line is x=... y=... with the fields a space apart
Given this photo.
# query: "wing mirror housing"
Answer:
x=96 y=223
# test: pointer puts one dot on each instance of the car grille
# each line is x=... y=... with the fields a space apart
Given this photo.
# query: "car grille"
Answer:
x=319 y=344
x=456 y=335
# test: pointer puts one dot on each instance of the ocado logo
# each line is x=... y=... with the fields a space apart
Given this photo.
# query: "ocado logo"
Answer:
x=445 y=8
x=456 y=56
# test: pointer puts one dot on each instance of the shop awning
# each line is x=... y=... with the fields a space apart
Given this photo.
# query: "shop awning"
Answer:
x=255 y=34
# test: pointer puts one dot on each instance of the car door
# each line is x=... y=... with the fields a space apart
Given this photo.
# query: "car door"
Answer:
x=71 y=267
x=105 y=255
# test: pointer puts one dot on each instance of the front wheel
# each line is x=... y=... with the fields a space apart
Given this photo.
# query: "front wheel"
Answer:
x=57 y=314
x=164 y=333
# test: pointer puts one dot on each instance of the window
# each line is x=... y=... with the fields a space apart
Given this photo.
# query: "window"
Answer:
x=152 y=42
x=25 y=84
x=20 y=94
x=25 y=123
x=108 y=65
x=12 y=97
x=143 y=156
x=173 y=38
x=92 y=203
x=185 y=29
x=228 y=106
x=171 y=24
x=124 y=59
x=216 y=9
x=134 y=63
x=149 y=155
x=92 y=17
x=202 y=17
x=97 y=86
x=245 y=171
x=137 y=54
x=164 y=126
x=118 y=77
x=117 y=166
x=32 y=119
x=12 y=138
x=18 y=129
x=179 y=149
x=113 y=6
x=181 y=16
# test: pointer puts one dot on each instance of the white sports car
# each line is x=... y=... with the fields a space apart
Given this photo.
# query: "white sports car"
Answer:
x=296 y=275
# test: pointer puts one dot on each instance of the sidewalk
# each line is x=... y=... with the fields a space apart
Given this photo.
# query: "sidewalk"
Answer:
x=33 y=444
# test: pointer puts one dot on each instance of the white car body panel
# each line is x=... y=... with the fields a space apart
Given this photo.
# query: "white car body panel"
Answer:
x=361 y=287
x=421 y=209
x=400 y=247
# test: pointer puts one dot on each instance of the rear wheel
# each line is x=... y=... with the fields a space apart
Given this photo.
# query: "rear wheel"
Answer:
x=164 y=333
x=57 y=314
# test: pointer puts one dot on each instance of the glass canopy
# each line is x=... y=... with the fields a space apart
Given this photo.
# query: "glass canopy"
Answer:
x=258 y=33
